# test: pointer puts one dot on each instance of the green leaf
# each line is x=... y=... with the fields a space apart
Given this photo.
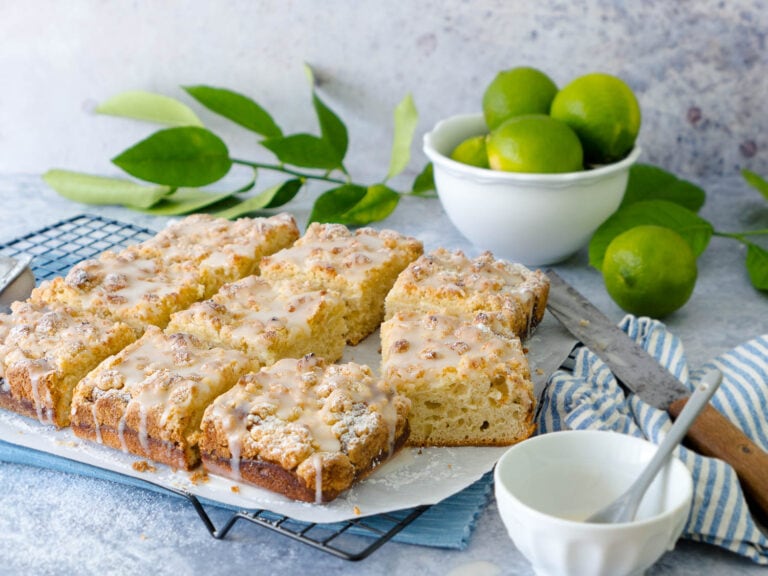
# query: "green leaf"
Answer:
x=332 y=129
x=270 y=198
x=304 y=150
x=756 y=181
x=424 y=183
x=693 y=228
x=336 y=201
x=90 y=189
x=285 y=193
x=186 y=201
x=237 y=108
x=757 y=266
x=378 y=203
x=406 y=118
x=648 y=182
x=150 y=107
x=355 y=205
x=186 y=156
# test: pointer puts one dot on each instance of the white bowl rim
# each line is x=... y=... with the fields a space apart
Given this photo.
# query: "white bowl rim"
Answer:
x=502 y=176
x=663 y=517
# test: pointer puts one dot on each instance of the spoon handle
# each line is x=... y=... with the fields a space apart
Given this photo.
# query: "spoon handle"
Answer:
x=715 y=436
x=695 y=404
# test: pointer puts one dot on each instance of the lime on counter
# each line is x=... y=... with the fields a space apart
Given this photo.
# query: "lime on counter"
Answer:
x=649 y=271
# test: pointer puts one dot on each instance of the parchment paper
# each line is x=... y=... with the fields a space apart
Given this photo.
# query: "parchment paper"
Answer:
x=413 y=477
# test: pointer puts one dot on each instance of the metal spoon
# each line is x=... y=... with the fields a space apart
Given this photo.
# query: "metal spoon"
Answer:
x=624 y=508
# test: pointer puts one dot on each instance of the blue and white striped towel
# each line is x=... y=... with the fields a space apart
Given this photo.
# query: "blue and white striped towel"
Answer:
x=590 y=398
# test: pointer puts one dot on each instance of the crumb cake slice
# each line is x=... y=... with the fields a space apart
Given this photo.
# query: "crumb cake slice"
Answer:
x=127 y=286
x=222 y=250
x=304 y=428
x=361 y=266
x=149 y=398
x=46 y=351
x=468 y=385
x=449 y=282
x=268 y=321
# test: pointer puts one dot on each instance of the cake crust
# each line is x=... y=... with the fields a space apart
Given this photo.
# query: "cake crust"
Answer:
x=468 y=385
x=221 y=250
x=149 y=399
x=275 y=478
x=362 y=266
x=44 y=354
x=448 y=282
x=268 y=321
x=127 y=286
x=304 y=428
x=145 y=283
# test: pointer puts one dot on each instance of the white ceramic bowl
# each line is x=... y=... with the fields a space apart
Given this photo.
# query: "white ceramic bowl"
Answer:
x=535 y=219
x=545 y=485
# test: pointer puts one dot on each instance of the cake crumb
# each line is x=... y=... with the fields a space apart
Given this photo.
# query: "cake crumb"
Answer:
x=143 y=466
x=199 y=477
x=67 y=444
x=539 y=371
x=356 y=510
x=235 y=488
x=583 y=322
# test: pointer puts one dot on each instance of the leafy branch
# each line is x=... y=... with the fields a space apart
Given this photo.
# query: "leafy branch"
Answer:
x=172 y=165
x=655 y=196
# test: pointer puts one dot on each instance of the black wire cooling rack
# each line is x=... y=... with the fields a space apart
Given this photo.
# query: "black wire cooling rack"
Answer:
x=55 y=249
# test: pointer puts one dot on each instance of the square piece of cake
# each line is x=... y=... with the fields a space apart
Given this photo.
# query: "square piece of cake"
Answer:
x=191 y=259
x=46 y=351
x=149 y=398
x=304 y=428
x=468 y=385
x=221 y=250
x=361 y=266
x=268 y=321
x=128 y=286
x=447 y=282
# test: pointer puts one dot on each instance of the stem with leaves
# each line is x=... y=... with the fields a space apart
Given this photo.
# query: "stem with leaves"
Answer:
x=283 y=169
x=172 y=165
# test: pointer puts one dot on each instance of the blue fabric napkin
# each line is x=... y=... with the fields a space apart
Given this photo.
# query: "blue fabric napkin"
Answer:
x=589 y=397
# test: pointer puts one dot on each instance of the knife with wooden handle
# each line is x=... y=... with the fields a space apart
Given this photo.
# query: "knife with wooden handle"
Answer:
x=710 y=435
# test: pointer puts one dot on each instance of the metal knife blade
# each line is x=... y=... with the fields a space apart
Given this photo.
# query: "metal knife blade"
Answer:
x=712 y=434
x=628 y=361
x=16 y=280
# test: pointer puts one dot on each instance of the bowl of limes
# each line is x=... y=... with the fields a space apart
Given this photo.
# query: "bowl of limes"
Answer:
x=536 y=173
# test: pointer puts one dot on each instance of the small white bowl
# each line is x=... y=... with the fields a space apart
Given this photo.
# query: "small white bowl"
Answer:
x=534 y=219
x=547 y=485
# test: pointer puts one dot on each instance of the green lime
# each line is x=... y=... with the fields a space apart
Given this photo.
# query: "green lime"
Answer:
x=649 y=270
x=605 y=114
x=536 y=144
x=516 y=92
x=472 y=151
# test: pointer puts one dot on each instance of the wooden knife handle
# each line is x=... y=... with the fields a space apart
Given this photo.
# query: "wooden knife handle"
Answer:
x=712 y=434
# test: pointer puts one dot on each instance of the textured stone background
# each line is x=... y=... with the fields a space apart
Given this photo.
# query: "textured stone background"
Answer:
x=699 y=68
